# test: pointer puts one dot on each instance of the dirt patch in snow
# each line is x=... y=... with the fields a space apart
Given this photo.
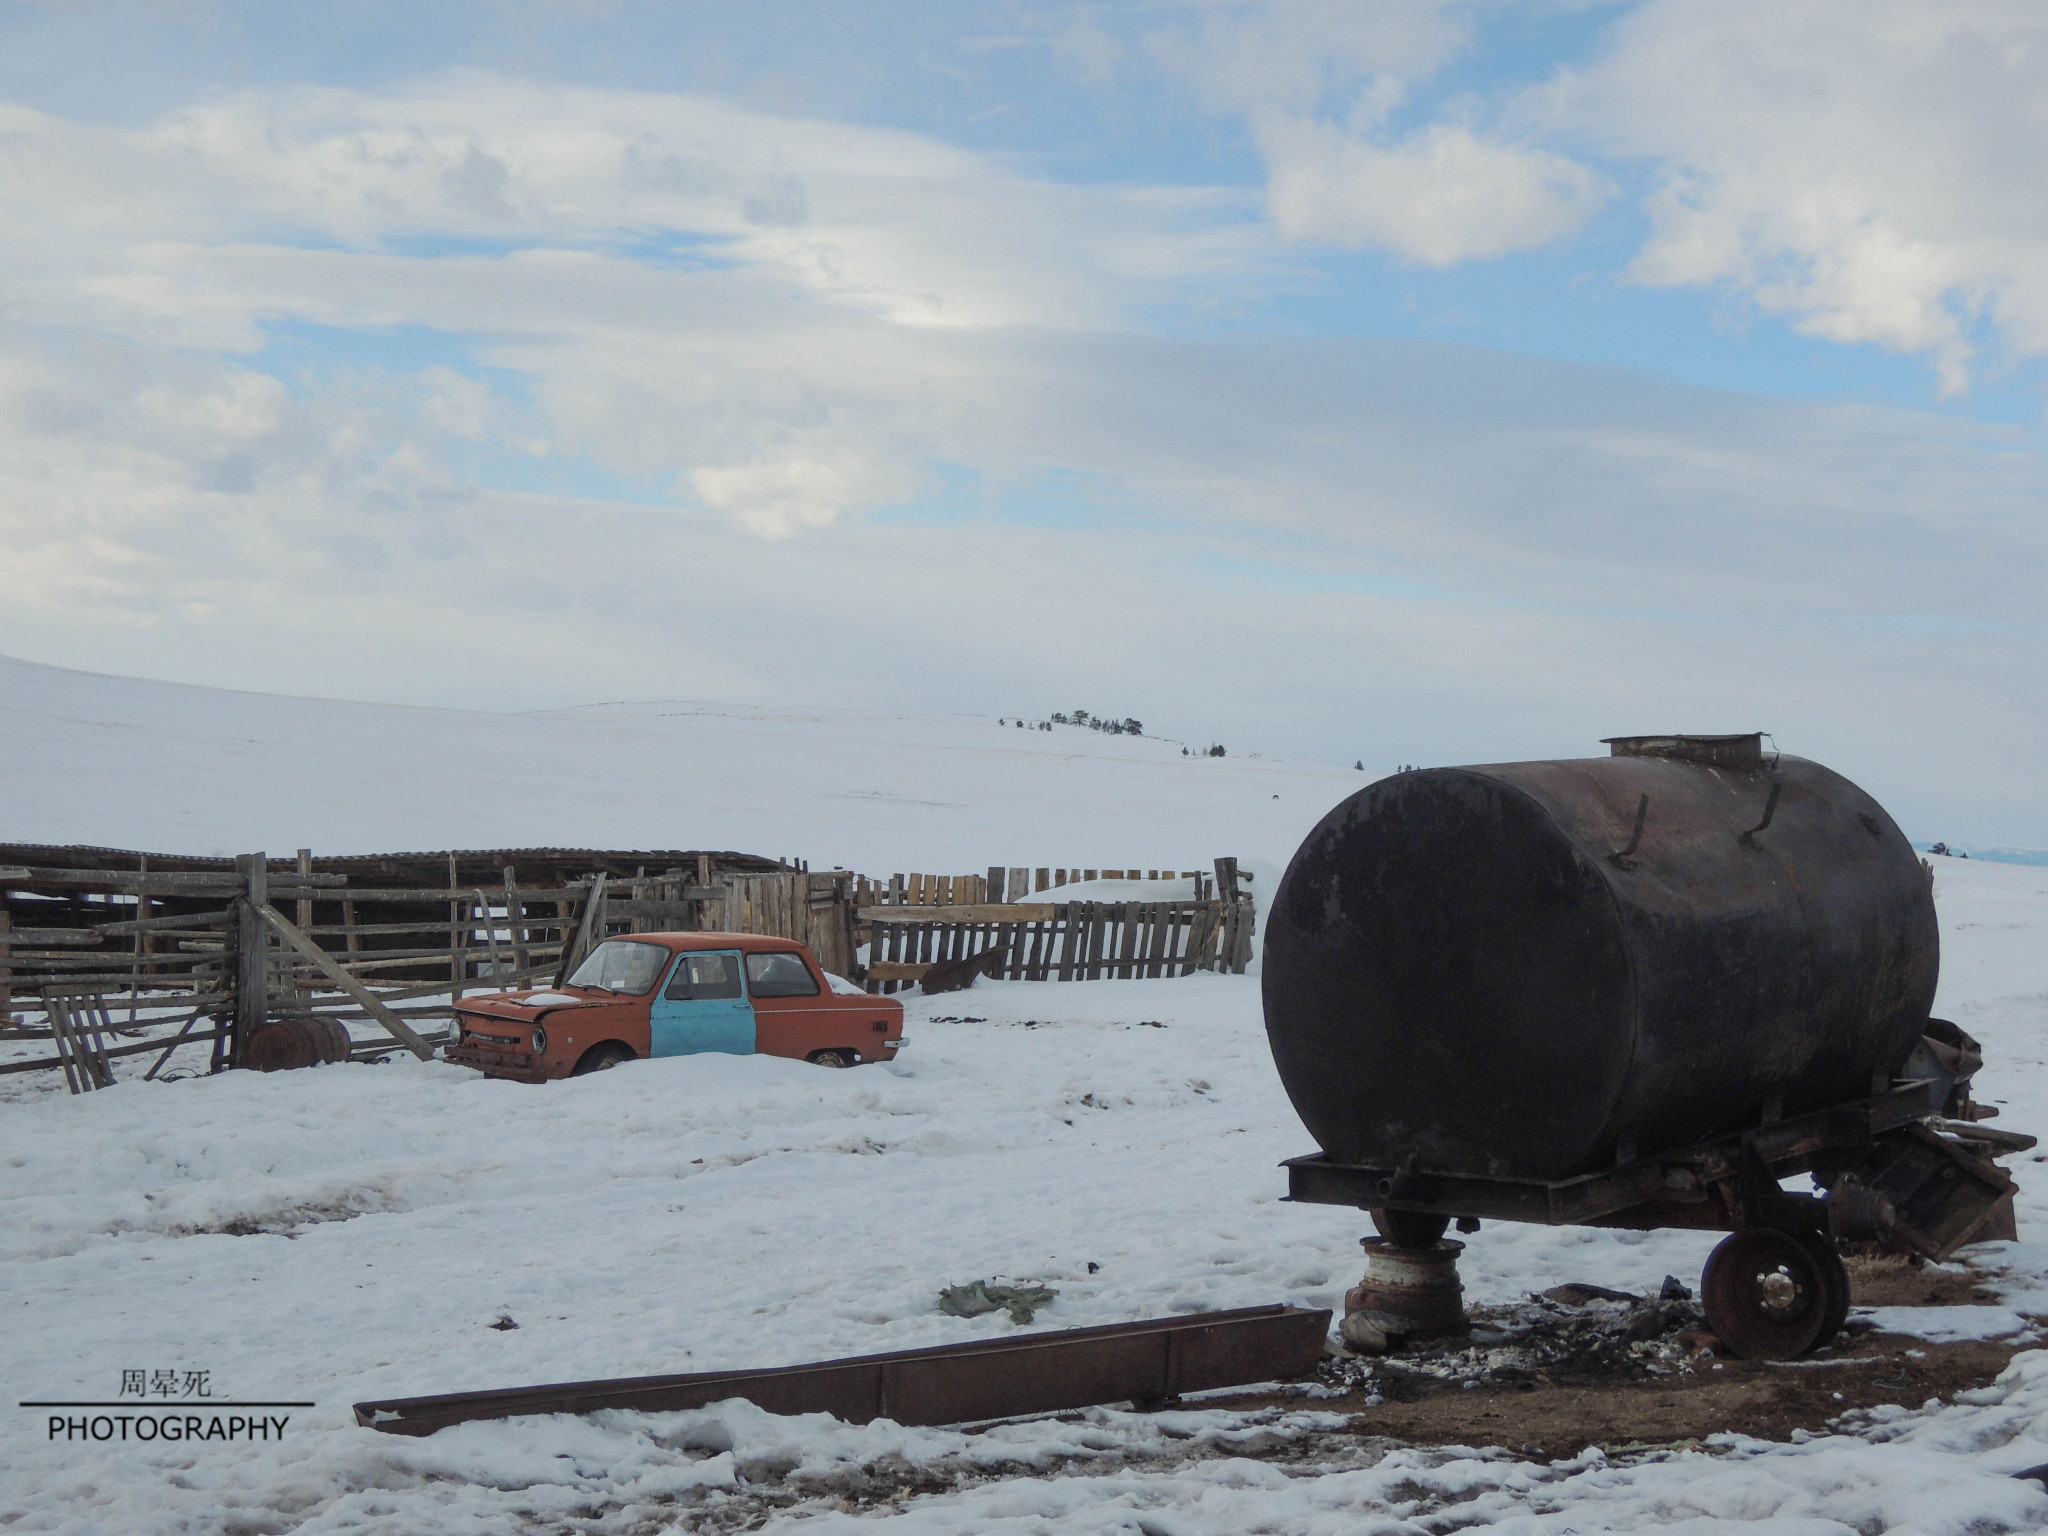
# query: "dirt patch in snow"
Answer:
x=1751 y=1397
x=1891 y=1281
x=1550 y=1379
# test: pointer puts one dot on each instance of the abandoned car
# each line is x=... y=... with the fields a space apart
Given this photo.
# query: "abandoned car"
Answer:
x=675 y=994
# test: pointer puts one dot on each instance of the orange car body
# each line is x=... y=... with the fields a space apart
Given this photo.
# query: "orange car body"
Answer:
x=680 y=994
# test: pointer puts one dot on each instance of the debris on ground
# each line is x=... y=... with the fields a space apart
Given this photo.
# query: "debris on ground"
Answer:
x=1570 y=1331
x=980 y=1297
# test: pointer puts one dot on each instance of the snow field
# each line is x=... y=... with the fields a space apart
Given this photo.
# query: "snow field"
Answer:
x=881 y=793
x=706 y=1212
x=353 y=1232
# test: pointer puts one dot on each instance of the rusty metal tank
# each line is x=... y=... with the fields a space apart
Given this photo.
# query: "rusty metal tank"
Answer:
x=1530 y=970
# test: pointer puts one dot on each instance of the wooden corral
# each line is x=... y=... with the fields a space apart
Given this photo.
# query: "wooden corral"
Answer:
x=389 y=940
x=114 y=948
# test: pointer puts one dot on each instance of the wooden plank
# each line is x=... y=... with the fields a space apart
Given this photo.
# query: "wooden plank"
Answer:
x=515 y=914
x=409 y=895
x=490 y=927
x=128 y=882
x=30 y=938
x=220 y=919
x=898 y=971
x=458 y=960
x=1127 y=966
x=252 y=955
x=305 y=863
x=1029 y=912
x=43 y=1064
x=374 y=1005
x=593 y=899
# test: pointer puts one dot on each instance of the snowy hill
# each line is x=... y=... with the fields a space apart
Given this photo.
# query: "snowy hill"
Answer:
x=164 y=767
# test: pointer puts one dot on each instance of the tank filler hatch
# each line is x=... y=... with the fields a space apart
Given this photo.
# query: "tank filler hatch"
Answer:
x=1738 y=752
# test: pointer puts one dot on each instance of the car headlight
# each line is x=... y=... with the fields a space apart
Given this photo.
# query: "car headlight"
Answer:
x=540 y=1040
x=455 y=1031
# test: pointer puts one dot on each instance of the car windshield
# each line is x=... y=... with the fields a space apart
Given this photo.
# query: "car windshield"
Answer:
x=621 y=965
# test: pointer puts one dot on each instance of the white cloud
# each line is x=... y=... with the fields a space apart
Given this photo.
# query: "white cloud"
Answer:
x=1318 y=83
x=1327 y=546
x=1867 y=169
x=1441 y=195
x=779 y=497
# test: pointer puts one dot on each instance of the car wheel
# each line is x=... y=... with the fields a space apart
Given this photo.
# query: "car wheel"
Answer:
x=601 y=1058
x=831 y=1058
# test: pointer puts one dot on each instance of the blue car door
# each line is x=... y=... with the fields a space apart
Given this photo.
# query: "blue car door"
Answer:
x=702 y=1006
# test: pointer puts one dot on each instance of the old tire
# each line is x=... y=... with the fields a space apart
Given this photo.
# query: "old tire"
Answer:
x=601 y=1058
x=830 y=1058
x=1836 y=1282
x=1411 y=1229
x=1769 y=1295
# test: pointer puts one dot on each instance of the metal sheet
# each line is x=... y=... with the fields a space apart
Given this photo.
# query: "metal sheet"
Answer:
x=1148 y=1361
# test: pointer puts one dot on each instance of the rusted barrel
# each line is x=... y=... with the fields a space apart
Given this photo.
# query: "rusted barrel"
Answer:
x=296 y=1040
x=1528 y=970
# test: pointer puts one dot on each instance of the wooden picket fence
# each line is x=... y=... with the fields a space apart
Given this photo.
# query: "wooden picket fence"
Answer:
x=913 y=922
x=1060 y=941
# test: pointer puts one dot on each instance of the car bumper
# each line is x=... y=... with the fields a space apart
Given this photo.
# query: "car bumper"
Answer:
x=494 y=1060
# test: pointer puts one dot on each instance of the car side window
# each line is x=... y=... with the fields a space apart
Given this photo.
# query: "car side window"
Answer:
x=780 y=975
x=704 y=978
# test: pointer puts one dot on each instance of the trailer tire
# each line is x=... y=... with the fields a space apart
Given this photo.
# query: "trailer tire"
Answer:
x=1835 y=1286
x=601 y=1058
x=1769 y=1295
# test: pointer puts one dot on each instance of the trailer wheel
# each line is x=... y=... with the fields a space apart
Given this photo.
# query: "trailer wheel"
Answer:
x=830 y=1058
x=1771 y=1296
x=1836 y=1283
x=1411 y=1229
x=601 y=1058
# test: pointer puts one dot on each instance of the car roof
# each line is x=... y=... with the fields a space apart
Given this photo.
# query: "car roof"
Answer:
x=678 y=942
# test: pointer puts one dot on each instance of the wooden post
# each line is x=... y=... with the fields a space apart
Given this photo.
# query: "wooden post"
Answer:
x=348 y=920
x=514 y=918
x=306 y=878
x=483 y=912
x=252 y=952
x=1226 y=879
x=135 y=959
x=6 y=963
x=591 y=929
x=458 y=960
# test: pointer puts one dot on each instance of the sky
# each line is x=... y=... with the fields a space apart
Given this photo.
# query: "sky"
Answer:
x=1422 y=381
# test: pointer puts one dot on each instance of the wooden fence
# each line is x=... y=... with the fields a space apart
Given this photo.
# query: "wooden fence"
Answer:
x=212 y=948
x=913 y=922
x=229 y=947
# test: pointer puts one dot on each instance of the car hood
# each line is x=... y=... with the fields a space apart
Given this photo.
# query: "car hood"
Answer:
x=529 y=1007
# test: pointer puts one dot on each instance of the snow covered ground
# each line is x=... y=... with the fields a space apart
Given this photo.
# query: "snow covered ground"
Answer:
x=354 y=1232
x=364 y=1231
